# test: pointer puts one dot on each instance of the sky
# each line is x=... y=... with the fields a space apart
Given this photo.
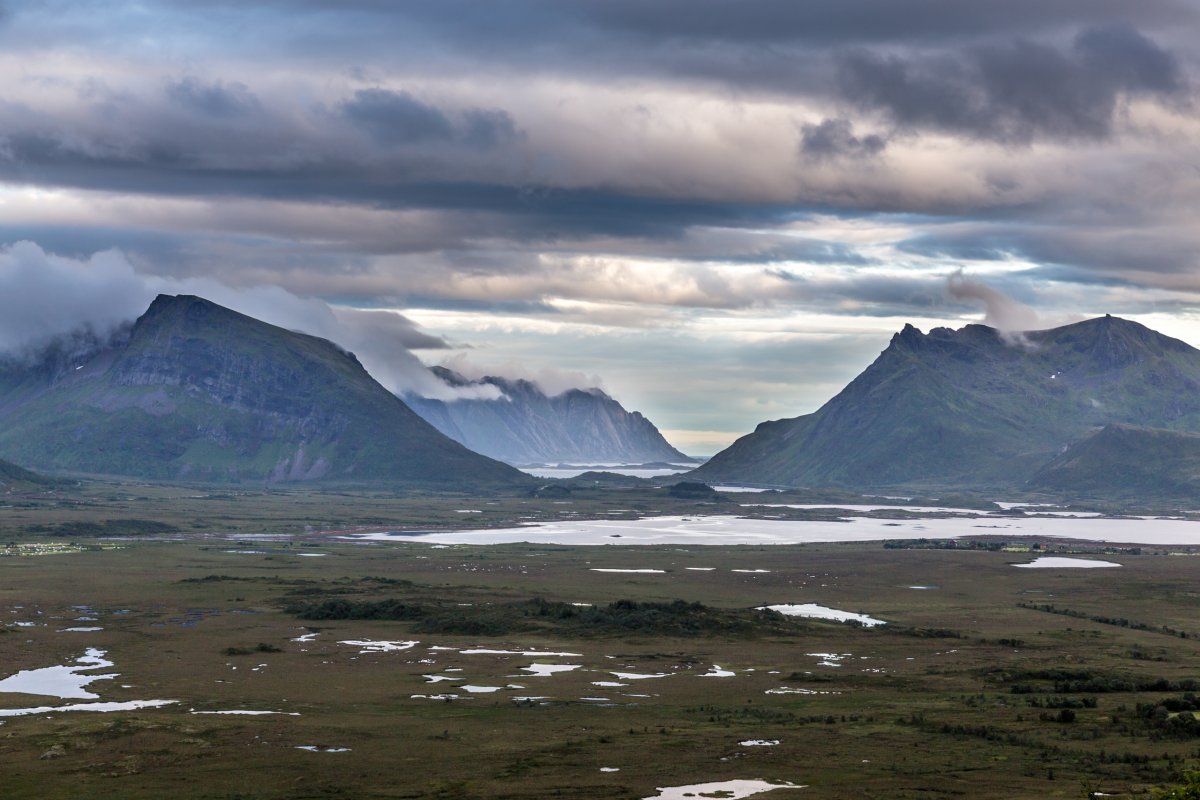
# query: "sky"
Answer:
x=719 y=212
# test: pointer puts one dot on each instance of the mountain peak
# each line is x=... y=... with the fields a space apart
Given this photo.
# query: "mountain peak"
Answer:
x=176 y=304
x=201 y=392
x=965 y=408
x=530 y=426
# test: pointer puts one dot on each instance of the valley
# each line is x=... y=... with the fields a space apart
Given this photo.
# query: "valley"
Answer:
x=275 y=653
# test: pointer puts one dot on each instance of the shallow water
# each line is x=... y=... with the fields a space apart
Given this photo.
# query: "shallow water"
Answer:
x=637 y=571
x=728 y=530
x=369 y=646
x=1058 y=562
x=731 y=790
x=568 y=471
x=717 y=672
x=63 y=682
x=814 y=611
x=240 y=712
x=318 y=748
x=482 y=651
x=130 y=705
x=546 y=670
x=640 y=676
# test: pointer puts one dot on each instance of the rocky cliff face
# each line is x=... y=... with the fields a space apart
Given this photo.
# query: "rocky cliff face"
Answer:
x=969 y=409
x=200 y=392
x=527 y=426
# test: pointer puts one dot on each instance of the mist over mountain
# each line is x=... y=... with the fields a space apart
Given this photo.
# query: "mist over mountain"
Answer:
x=196 y=391
x=973 y=408
x=526 y=425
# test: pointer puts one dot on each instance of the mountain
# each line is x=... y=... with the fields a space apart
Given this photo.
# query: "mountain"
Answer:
x=527 y=426
x=16 y=479
x=973 y=409
x=1126 y=461
x=199 y=392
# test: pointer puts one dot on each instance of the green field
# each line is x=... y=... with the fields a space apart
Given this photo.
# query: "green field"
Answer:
x=995 y=683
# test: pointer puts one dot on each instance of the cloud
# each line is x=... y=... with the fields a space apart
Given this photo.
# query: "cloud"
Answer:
x=45 y=297
x=487 y=128
x=550 y=380
x=213 y=99
x=396 y=117
x=1001 y=312
x=834 y=138
x=1019 y=91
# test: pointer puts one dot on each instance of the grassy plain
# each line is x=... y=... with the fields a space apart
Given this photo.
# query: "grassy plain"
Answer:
x=964 y=693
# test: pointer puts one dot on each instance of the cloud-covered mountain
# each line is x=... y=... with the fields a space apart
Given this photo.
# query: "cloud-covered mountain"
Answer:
x=972 y=408
x=199 y=392
x=525 y=425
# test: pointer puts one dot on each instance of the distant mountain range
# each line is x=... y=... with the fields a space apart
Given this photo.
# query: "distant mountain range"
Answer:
x=528 y=426
x=972 y=409
x=199 y=392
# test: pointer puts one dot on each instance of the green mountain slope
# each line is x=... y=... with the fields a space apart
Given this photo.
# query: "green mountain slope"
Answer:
x=968 y=409
x=199 y=392
x=1125 y=461
x=16 y=479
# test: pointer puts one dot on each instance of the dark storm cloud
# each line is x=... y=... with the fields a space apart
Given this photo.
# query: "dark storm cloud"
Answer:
x=833 y=138
x=380 y=109
x=1016 y=91
x=858 y=20
x=396 y=117
x=540 y=212
x=552 y=25
x=488 y=128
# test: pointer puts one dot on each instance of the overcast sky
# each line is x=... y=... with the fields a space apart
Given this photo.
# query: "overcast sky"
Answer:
x=720 y=210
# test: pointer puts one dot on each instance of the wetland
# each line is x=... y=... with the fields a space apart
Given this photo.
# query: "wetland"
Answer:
x=228 y=662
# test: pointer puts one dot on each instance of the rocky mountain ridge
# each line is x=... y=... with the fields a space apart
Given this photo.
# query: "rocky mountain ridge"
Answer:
x=528 y=426
x=199 y=392
x=974 y=409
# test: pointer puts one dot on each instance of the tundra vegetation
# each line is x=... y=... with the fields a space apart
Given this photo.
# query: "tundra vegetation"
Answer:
x=415 y=670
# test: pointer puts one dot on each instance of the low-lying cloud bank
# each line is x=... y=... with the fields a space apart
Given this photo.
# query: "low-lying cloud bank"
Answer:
x=46 y=297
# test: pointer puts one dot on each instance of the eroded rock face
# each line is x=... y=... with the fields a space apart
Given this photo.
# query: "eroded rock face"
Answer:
x=204 y=393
